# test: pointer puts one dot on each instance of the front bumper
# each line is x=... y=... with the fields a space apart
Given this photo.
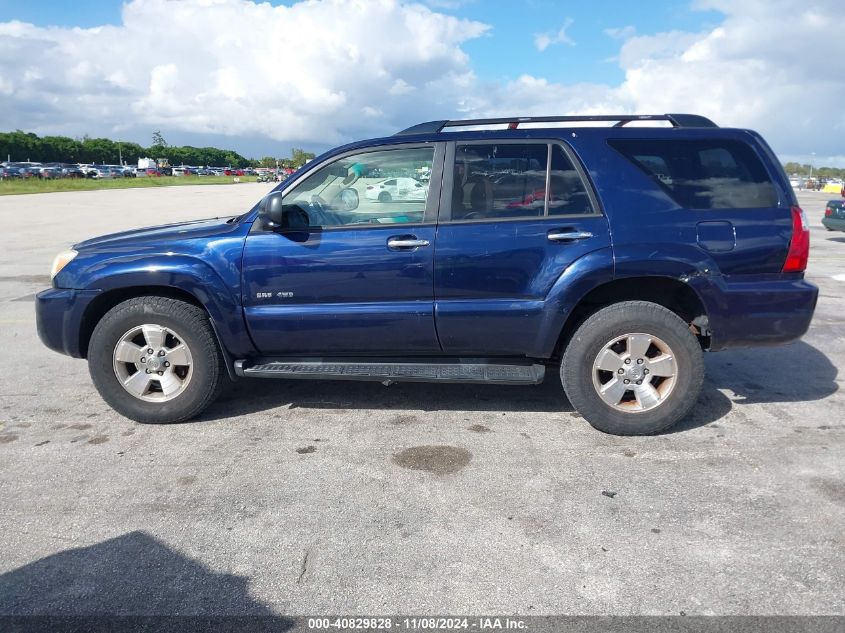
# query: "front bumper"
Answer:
x=834 y=224
x=760 y=312
x=59 y=314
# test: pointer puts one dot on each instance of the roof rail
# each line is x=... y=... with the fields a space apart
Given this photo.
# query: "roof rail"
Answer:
x=677 y=120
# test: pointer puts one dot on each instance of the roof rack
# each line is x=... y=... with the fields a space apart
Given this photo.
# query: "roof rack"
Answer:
x=677 y=120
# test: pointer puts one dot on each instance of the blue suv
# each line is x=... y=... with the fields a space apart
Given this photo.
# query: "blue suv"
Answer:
x=613 y=249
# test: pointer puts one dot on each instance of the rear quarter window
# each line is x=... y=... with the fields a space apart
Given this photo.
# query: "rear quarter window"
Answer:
x=703 y=174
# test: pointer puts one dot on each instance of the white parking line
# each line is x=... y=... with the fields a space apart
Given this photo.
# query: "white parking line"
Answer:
x=840 y=277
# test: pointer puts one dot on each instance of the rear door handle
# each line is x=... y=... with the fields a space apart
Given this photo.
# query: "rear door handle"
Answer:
x=406 y=241
x=568 y=236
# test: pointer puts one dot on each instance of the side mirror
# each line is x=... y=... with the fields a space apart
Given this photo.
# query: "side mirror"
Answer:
x=279 y=216
x=271 y=210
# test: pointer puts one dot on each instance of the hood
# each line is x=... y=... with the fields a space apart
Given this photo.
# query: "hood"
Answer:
x=165 y=232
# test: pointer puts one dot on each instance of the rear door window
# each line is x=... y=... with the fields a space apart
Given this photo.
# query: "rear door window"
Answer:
x=509 y=181
x=703 y=174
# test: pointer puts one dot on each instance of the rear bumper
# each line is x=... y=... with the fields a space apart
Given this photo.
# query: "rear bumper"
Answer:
x=58 y=315
x=750 y=313
x=834 y=224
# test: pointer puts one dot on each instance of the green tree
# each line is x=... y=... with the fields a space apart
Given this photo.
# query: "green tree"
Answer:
x=24 y=146
x=299 y=157
x=158 y=139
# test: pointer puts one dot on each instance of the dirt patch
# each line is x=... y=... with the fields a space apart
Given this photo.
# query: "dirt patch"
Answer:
x=81 y=427
x=99 y=439
x=305 y=450
x=187 y=480
x=440 y=460
x=404 y=420
x=480 y=428
x=7 y=438
x=832 y=489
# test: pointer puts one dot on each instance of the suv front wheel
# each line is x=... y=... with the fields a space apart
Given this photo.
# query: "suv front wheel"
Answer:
x=633 y=368
x=156 y=360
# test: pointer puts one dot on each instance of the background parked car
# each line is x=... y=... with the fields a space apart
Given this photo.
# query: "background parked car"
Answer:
x=9 y=173
x=50 y=173
x=397 y=189
x=102 y=172
x=834 y=215
x=70 y=171
x=30 y=171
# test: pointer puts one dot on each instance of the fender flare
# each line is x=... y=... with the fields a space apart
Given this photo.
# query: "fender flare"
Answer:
x=187 y=274
x=579 y=278
x=600 y=267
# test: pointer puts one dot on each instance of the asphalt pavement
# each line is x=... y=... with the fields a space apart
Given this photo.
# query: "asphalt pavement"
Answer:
x=329 y=497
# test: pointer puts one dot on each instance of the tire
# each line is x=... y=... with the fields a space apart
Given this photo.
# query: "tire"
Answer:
x=384 y=196
x=177 y=331
x=595 y=361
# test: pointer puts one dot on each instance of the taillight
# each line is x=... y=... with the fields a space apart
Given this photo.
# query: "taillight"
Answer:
x=828 y=211
x=799 y=245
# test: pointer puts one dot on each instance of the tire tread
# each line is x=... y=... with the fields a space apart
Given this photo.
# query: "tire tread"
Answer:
x=618 y=316
x=196 y=321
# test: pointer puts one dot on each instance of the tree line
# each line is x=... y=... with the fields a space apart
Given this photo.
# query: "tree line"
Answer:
x=797 y=169
x=26 y=146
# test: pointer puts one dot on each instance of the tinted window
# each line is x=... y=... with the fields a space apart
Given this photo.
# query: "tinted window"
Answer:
x=508 y=180
x=714 y=174
x=567 y=194
x=387 y=183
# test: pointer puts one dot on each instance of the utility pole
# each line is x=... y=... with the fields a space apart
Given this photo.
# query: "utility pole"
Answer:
x=119 y=154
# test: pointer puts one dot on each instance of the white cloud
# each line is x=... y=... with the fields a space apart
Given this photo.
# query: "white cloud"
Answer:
x=543 y=40
x=323 y=72
x=771 y=65
x=621 y=33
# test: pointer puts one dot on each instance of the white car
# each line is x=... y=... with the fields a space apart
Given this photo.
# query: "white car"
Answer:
x=397 y=189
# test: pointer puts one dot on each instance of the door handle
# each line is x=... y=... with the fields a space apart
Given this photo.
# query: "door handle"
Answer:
x=406 y=241
x=568 y=236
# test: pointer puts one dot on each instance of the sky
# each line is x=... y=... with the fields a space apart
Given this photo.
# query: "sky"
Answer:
x=261 y=78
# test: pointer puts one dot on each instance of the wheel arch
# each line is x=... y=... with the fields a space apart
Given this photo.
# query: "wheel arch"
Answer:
x=108 y=299
x=669 y=292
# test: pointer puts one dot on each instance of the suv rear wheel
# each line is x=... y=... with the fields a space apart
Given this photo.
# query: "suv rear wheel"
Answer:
x=633 y=368
x=156 y=360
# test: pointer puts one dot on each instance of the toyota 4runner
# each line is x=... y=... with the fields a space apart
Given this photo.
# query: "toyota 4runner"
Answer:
x=479 y=251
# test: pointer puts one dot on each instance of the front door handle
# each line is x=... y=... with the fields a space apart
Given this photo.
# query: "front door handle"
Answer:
x=568 y=236
x=406 y=241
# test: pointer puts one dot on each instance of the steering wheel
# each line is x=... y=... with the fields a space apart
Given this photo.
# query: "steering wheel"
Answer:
x=319 y=213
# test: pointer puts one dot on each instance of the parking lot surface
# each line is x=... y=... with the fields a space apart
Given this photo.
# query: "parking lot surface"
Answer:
x=308 y=497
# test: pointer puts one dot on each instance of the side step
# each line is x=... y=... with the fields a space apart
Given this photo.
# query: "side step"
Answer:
x=459 y=370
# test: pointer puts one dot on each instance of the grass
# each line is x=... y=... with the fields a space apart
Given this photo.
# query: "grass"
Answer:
x=35 y=185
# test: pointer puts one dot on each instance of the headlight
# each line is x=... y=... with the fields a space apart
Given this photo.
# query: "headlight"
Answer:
x=62 y=260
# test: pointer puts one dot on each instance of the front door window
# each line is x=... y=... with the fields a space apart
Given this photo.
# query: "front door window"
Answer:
x=381 y=187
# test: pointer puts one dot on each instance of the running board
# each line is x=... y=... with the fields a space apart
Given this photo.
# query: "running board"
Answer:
x=462 y=371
